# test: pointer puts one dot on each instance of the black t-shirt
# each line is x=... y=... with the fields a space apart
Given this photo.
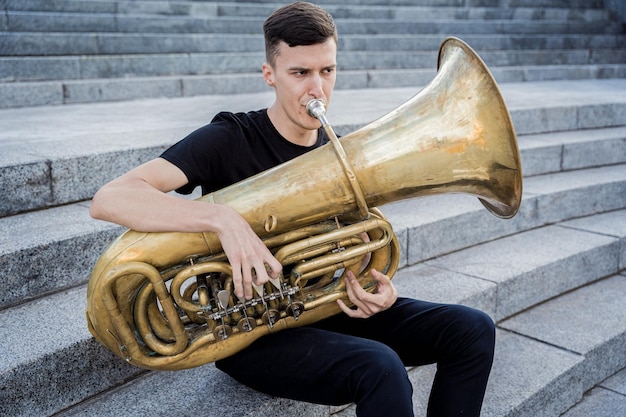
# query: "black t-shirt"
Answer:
x=233 y=147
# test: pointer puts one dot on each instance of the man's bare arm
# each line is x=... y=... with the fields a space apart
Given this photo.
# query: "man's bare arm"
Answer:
x=139 y=200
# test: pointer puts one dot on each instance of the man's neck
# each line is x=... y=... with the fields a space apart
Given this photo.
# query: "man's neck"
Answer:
x=290 y=131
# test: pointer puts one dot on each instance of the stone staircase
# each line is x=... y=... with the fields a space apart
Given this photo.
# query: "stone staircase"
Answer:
x=552 y=278
x=69 y=51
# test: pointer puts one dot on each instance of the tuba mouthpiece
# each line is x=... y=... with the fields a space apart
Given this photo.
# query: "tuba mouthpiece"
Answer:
x=316 y=108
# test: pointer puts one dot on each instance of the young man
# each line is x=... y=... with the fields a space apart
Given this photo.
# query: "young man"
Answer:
x=359 y=356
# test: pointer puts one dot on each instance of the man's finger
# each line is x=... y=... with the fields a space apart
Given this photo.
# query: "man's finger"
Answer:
x=238 y=281
x=350 y=312
x=356 y=290
x=246 y=274
x=359 y=297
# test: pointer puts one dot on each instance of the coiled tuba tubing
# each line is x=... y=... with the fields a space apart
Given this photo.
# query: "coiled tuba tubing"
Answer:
x=180 y=310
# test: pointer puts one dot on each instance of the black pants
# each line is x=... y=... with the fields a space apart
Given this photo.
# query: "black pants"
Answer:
x=342 y=360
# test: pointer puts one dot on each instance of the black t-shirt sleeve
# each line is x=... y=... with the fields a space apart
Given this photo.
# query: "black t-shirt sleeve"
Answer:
x=233 y=147
x=203 y=154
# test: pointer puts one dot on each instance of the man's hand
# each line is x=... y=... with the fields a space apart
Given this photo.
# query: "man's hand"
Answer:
x=249 y=258
x=368 y=304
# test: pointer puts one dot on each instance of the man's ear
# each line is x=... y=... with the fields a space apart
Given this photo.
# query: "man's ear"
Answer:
x=268 y=74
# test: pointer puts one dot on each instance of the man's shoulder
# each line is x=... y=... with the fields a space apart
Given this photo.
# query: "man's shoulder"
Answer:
x=256 y=116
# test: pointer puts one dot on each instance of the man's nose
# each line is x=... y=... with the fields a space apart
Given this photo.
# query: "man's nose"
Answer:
x=315 y=87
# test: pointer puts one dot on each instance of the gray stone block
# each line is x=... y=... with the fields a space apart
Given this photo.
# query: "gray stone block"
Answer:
x=396 y=60
x=412 y=78
x=390 y=42
x=402 y=236
x=40 y=69
x=18 y=197
x=558 y=72
x=559 y=195
x=508 y=74
x=442 y=286
x=128 y=43
x=121 y=89
x=45 y=44
x=30 y=94
x=608 y=56
x=613 y=114
x=222 y=84
x=584 y=151
x=544 y=119
x=144 y=396
x=545 y=153
x=58 y=352
x=537 y=36
x=616 y=383
x=423 y=218
x=186 y=24
x=611 y=224
x=61 y=22
x=546 y=57
x=79 y=178
x=437 y=225
x=43 y=174
x=590 y=321
x=533 y=266
x=167 y=8
x=98 y=44
x=120 y=66
x=565 y=109
x=530 y=378
x=599 y=402
x=347 y=80
x=225 y=63
x=45 y=251
x=540 y=154
x=61 y=6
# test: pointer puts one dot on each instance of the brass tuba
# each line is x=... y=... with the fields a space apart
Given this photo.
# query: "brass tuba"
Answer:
x=166 y=300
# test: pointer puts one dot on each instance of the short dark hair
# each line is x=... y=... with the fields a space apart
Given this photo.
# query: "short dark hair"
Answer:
x=297 y=24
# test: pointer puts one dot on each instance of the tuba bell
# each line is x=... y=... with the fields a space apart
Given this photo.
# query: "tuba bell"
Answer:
x=166 y=300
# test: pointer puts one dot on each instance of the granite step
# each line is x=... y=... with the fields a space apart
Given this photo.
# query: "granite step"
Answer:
x=44 y=93
x=25 y=69
x=573 y=4
x=18 y=21
x=382 y=10
x=423 y=225
x=68 y=44
x=358 y=9
x=588 y=324
x=61 y=341
x=607 y=399
x=62 y=154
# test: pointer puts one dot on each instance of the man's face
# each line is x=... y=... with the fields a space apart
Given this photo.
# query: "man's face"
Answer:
x=300 y=74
